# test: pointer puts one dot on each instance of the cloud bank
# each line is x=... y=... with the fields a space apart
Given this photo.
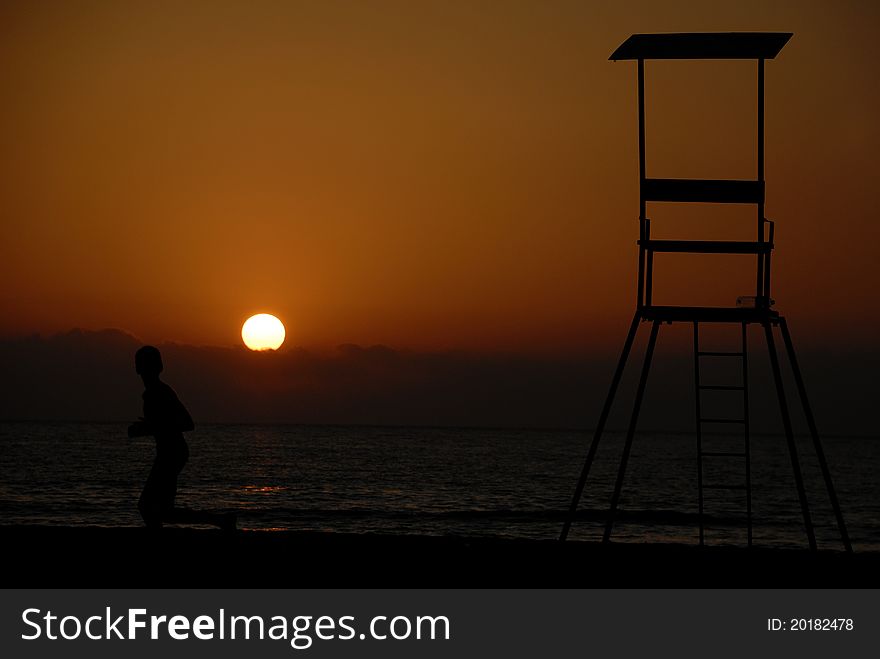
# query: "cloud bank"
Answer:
x=86 y=375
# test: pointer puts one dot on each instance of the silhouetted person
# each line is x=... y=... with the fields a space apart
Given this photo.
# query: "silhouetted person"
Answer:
x=166 y=419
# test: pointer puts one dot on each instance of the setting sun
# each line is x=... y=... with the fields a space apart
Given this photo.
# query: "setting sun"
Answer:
x=263 y=332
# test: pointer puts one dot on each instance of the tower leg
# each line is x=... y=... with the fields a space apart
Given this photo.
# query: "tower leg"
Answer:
x=640 y=392
x=698 y=429
x=814 y=433
x=600 y=426
x=747 y=430
x=789 y=434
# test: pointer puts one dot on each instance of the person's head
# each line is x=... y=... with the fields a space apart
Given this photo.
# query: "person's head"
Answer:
x=148 y=362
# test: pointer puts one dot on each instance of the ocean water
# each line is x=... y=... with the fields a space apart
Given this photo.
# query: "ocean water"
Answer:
x=471 y=482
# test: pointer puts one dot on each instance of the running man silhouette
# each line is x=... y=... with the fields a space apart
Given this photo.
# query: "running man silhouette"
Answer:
x=166 y=419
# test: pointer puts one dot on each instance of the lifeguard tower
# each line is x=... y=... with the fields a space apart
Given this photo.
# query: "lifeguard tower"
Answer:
x=759 y=46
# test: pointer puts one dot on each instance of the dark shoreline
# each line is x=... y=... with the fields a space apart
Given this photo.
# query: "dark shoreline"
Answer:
x=89 y=557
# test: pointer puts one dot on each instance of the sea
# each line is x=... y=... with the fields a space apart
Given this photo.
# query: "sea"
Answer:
x=472 y=482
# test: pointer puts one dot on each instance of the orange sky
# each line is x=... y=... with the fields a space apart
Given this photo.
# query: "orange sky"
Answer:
x=420 y=174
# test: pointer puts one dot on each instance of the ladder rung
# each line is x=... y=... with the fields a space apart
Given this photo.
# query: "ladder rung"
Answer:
x=705 y=420
x=722 y=387
x=724 y=487
x=721 y=454
x=703 y=353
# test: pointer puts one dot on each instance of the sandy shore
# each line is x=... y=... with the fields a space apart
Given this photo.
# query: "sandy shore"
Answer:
x=43 y=556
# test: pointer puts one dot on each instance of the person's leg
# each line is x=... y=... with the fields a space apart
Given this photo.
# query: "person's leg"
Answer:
x=181 y=514
x=157 y=498
x=150 y=502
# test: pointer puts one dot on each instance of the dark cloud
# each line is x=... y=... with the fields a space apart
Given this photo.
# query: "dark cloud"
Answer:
x=83 y=375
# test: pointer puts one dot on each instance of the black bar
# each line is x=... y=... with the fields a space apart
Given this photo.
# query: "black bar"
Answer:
x=640 y=286
x=702 y=45
x=631 y=431
x=814 y=434
x=724 y=487
x=766 y=291
x=747 y=454
x=707 y=246
x=722 y=454
x=641 y=91
x=709 y=420
x=699 y=429
x=789 y=435
x=761 y=121
x=600 y=426
x=759 y=292
x=703 y=190
x=721 y=387
x=707 y=314
x=643 y=230
x=720 y=354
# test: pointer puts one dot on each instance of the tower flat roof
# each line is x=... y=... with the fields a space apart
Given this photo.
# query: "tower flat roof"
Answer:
x=702 y=45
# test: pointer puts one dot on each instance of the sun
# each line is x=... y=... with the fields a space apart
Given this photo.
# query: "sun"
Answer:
x=263 y=332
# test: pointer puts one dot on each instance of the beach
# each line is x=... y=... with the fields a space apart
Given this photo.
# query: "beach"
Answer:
x=95 y=557
x=415 y=507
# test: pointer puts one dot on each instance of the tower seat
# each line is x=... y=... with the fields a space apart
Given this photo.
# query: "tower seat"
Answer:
x=708 y=314
x=708 y=246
